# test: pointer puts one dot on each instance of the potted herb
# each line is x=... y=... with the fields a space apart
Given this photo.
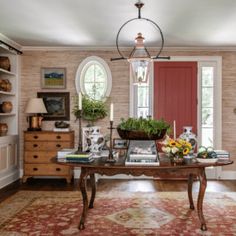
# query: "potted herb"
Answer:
x=92 y=111
x=142 y=129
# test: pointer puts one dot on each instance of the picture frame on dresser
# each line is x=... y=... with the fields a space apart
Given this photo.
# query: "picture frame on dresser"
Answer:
x=57 y=105
x=53 y=78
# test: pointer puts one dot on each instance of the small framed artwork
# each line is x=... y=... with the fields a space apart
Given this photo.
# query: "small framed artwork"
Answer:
x=57 y=105
x=120 y=143
x=53 y=78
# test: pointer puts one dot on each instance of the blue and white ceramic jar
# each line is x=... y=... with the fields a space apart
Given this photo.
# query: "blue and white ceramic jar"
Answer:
x=189 y=136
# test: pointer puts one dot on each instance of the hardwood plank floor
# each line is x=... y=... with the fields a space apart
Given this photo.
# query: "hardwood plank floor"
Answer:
x=131 y=185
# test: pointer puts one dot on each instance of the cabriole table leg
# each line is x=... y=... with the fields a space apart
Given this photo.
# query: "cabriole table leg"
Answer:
x=93 y=186
x=190 y=196
x=202 y=188
x=82 y=186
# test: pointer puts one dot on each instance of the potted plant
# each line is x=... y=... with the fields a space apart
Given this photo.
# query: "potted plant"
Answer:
x=142 y=129
x=93 y=110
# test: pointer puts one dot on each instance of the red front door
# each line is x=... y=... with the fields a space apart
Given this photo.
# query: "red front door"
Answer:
x=175 y=93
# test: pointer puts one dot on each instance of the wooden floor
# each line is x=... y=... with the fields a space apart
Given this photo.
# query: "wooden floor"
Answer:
x=135 y=185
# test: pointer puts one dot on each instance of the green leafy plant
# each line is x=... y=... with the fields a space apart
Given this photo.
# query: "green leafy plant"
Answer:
x=93 y=110
x=149 y=126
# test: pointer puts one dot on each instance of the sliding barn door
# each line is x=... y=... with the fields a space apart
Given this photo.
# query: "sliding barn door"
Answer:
x=175 y=93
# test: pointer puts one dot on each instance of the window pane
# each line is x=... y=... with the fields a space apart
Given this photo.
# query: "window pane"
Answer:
x=207 y=97
x=207 y=117
x=143 y=96
x=89 y=74
x=95 y=90
x=207 y=76
x=207 y=137
x=99 y=74
x=144 y=112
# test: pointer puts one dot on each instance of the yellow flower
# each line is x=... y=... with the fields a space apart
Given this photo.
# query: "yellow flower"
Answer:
x=172 y=143
x=185 y=151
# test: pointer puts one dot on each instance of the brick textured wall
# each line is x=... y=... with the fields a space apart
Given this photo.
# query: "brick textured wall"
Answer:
x=33 y=61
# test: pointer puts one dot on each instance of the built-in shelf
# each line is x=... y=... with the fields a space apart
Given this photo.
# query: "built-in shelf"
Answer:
x=7 y=93
x=7 y=114
x=9 y=143
x=7 y=72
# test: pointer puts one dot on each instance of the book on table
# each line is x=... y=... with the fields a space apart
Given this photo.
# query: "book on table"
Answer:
x=63 y=152
x=80 y=157
x=142 y=152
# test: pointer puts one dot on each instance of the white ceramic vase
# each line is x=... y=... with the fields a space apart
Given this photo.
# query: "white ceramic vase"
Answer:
x=189 y=136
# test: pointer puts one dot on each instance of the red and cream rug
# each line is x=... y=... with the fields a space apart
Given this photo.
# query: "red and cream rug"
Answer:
x=37 y=213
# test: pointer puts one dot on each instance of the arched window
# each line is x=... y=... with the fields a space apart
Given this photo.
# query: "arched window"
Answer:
x=93 y=78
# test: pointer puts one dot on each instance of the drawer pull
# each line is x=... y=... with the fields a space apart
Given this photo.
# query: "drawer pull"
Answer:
x=58 y=145
x=58 y=169
x=35 y=169
x=35 y=145
x=35 y=156
x=58 y=137
x=36 y=137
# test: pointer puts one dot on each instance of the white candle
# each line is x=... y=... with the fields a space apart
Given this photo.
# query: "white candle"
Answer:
x=174 y=129
x=80 y=101
x=111 y=112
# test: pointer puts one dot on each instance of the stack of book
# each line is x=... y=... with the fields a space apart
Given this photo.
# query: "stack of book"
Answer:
x=80 y=157
x=222 y=154
x=63 y=152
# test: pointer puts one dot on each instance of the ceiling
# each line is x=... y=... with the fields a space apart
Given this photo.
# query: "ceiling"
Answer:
x=90 y=23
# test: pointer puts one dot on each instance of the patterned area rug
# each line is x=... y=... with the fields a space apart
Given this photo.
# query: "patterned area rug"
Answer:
x=115 y=213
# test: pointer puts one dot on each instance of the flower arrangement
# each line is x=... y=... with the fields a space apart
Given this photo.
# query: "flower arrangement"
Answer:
x=176 y=148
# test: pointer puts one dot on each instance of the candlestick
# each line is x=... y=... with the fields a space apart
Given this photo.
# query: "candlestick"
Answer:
x=174 y=128
x=110 y=156
x=80 y=148
x=80 y=101
x=111 y=112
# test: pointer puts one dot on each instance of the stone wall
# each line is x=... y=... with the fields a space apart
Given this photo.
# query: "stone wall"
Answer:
x=33 y=61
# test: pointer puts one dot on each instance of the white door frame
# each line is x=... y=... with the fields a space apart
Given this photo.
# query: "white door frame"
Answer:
x=216 y=173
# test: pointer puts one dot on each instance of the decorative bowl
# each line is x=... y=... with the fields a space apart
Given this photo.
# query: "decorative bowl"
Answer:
x=207 y=160
x=140 y=135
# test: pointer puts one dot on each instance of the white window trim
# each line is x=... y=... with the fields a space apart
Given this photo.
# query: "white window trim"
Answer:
x=99 y=60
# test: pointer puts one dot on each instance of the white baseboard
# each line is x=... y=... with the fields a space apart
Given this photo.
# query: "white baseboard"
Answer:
x=9 y=178
x=227 y=175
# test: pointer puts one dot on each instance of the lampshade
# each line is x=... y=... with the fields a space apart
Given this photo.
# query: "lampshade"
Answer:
x=139 y=58
x=35 y=105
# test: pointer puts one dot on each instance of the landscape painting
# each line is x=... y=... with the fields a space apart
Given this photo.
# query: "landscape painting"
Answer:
x=53 y=78
x=57 y=105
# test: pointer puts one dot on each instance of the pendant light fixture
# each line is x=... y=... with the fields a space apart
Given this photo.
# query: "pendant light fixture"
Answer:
x=139 y=58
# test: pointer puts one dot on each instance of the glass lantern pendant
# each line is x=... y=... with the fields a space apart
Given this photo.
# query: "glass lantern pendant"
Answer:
x=140 y=61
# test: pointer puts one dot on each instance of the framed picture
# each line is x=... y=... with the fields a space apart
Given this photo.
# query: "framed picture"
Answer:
x=57 y=105
x=120 y=143
x=53 y=78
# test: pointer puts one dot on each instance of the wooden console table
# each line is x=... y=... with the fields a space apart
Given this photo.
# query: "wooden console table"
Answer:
x=99 y=166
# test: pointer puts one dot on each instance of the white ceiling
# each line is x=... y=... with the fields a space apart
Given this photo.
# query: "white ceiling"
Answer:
x=184 y=23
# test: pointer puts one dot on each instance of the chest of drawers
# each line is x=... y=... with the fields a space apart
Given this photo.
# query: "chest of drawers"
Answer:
x=40 y=147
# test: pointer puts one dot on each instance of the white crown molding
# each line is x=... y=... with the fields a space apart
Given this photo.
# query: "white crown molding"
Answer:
x=112 y=48
x=10 y=42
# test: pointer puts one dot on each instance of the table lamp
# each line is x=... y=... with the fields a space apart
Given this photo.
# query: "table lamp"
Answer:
x=35 y=107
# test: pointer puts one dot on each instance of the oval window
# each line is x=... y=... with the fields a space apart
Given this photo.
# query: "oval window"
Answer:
x=93 y=78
